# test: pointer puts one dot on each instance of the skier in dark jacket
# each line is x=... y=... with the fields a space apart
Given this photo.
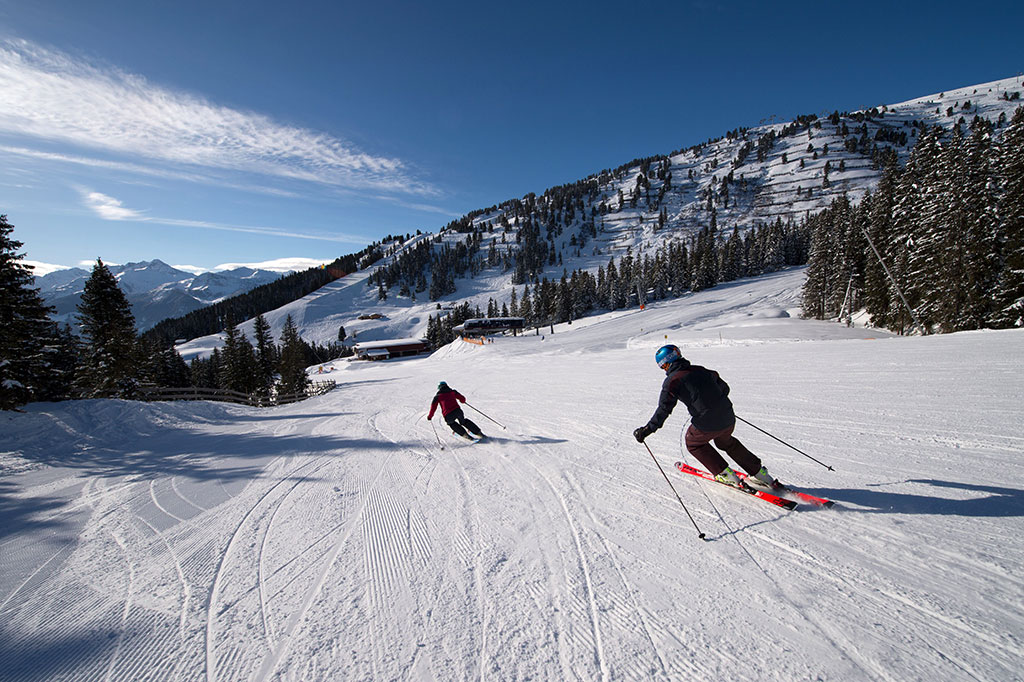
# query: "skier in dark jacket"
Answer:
x=448 y=398
x=712 y=419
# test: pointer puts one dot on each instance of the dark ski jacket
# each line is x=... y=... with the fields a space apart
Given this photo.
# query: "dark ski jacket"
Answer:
x=448 y=399
x=703 y=392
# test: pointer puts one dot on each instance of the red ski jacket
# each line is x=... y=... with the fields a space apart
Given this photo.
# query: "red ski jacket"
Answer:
x=448 y=400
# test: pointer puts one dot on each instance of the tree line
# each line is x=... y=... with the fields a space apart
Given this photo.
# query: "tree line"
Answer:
x=670 y=271
x=949 y=233
x=43 y=361
x=214 y=318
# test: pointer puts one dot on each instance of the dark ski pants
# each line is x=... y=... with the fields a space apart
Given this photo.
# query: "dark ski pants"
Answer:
x=699 y=444
x=459 y=422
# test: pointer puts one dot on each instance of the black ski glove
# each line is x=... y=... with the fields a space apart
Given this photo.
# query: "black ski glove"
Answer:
x=642 y=433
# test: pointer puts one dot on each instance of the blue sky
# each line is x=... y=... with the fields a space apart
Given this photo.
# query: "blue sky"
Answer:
x=213 y=132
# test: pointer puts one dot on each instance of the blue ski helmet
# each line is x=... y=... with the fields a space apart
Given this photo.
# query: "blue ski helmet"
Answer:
x=442 y=386
x=666 y=355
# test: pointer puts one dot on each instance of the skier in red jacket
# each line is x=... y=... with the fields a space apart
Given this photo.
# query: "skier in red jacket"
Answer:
x=449 y=399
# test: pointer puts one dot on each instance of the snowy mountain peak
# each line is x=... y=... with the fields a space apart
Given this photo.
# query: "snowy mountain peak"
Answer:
x=155 y=289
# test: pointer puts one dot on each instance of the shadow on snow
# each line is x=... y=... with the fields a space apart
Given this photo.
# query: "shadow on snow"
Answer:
x=995 y=501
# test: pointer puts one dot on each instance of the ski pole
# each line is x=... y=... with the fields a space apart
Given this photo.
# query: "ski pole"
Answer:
x=700 y=534
x=432 y=428
x=496 y=422
x=786 y=444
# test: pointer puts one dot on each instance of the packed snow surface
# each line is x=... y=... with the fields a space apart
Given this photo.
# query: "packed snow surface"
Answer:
x=343 y=538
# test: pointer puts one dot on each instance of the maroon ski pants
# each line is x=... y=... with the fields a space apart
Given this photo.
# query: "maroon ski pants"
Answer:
x=699 y=444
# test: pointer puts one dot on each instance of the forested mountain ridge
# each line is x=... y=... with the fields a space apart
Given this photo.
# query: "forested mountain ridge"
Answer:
x=729 y=207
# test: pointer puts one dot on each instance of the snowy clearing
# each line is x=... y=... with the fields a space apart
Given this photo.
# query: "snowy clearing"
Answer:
x=335 y=539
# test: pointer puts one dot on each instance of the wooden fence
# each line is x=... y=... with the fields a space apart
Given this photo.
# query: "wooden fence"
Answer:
x=227 y=396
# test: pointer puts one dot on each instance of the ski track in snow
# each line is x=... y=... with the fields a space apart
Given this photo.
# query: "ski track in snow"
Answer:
x=337 y=539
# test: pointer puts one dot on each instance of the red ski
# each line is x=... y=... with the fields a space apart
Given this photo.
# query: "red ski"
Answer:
x=754 y=492
x=784 y=489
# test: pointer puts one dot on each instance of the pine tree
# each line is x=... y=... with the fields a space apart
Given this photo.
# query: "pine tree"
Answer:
x=201 y=374
x=30 y=344
x=162 y=366
x=293 y=360
x=240 y=369
x=731 y=266
x=679 y=267
x=1008 y=306
x=266 y=355
x=915 y=241
x=526 y=306
x=846 y=255
x=109 y=366
x=877 y=288
x=819 y=269
x=59 y=375
x=969 y=259
x=926 y=233
x=705 y=260
x=432 y=332
x=611 y=288
x=563 y=301
x=773 y=252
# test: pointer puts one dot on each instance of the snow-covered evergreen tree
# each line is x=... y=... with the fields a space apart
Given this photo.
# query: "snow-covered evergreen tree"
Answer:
x=970 y=263
x=110 y=365
x=240 y=370
x=820 y=269
x=162 y=366
x=266 y=354
x=1008 y=307
x=30 y=343
x=293 y=360
x=877 y=287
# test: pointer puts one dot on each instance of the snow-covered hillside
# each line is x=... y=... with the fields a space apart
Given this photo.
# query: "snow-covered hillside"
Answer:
x=774 y=171
x=340 y=538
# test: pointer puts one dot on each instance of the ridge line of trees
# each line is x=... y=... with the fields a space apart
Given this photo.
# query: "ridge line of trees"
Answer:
x=671 y=271
x=41 y=361
x=213 y=319
x=949 y=226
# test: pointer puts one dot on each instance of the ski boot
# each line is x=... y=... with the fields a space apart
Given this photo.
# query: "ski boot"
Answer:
x=762 y=479
x=729 y=477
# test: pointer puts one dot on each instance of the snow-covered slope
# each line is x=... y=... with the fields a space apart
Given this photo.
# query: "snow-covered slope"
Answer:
x=336 y=539
x=155 y=290
x=774 y=171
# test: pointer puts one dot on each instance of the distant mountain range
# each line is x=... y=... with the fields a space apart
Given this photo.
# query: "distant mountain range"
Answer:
x=155 y=290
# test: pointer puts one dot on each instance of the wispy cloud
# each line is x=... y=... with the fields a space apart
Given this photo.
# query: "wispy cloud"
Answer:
x=88 y=264
x=140 y=169
x=51 y=96
x=415 y=206
x=109 y=208
x=251 y=229
x=39 y=268
x=277 y=264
